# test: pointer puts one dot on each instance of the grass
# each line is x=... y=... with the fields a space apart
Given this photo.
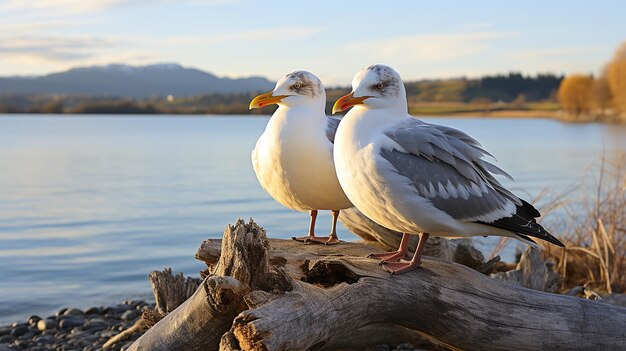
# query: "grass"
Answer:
x=593 y=228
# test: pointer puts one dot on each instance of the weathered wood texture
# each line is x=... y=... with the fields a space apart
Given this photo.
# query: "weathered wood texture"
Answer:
x=200 y=322
x=458 y=250
x=322 y=296
x=533 y=272
x=170 y=290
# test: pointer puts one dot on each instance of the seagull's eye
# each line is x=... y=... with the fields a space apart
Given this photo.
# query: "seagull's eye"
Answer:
x=380 y=85
x=297 y=86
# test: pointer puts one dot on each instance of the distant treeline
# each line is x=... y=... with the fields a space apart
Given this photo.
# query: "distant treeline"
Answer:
x=504 y=88
x=510 y=88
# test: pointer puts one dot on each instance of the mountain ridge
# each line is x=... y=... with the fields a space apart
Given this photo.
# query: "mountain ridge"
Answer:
x=120 y=80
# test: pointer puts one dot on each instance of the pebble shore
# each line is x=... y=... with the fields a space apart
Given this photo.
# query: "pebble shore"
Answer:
x=72 y=329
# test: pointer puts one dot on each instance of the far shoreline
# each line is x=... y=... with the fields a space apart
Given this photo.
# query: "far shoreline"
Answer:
x=556 y=115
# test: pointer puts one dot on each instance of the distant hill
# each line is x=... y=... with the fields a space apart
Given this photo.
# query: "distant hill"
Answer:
x=133 y=82
x=119 y=89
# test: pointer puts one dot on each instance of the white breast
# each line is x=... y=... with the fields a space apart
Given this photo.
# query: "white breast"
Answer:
x=294 y=164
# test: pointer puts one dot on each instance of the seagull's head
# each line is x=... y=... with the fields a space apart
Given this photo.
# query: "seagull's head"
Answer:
x=295 y=89
x=375 y=87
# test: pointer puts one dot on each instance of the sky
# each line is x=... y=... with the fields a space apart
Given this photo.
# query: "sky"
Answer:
x=333 y=39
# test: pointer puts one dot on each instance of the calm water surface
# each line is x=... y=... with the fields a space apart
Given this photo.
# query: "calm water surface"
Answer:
x=90 y=205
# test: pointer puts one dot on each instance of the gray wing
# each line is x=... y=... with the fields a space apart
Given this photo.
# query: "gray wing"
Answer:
x=331 y=128
x=445 y=165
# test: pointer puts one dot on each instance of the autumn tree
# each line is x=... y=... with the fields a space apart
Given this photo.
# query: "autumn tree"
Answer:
x=616 y=75
x=574 y=94
x=601 y=96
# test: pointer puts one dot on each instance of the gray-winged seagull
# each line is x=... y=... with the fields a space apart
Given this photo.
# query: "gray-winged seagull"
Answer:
x=293 y=158
x=416 y=177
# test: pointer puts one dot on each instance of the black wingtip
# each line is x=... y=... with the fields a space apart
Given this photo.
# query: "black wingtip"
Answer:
x=524 y=225
x=557 y=242
x=543 y=236
x=530 y=209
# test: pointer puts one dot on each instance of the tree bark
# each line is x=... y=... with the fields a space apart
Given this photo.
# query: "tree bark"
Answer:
x=450 y=303
x=325 y=297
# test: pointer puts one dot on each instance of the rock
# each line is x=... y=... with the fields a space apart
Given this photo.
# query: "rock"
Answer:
x=72 y=329
x=33 y=320
x=76 y=333
x=129 y=315
x=6 y=339
x=19 y=330
x=119 y=309
x=137 y=303
x=95 y=325
x=94 y=310
x=73 y=312
x=47 y=324
x=405 y=347
x=21 y=344
x=72 y=321
x=44 y=339
x=108 y=334
x=29 y=335
x=91 y=338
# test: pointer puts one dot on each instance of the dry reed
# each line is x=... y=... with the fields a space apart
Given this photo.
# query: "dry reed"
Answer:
x=591 y=221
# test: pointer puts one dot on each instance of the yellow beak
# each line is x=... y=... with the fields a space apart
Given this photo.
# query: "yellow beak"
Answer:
x=347 y=101
x=265 y=99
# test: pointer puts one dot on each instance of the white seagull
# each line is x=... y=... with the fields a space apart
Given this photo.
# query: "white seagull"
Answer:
x=293 y=158
x=416 y=177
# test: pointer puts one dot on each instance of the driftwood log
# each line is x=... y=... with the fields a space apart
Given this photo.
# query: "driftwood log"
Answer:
x=265 y=294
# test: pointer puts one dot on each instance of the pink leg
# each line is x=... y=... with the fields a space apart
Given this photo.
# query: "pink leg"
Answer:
x=304 y=239
x=403 y=267
x=332 y=238
x=395 y=255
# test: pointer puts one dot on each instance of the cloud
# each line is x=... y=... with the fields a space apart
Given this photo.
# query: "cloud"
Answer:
x=25 y=27
x=428 y=47
x=53 y=48
x=81 y=6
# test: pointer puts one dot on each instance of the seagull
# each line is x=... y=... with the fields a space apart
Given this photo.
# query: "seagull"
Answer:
x=293 y=158
x=415 y=177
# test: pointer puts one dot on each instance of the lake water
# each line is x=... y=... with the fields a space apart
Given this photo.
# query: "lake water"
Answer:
x=89 y=205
